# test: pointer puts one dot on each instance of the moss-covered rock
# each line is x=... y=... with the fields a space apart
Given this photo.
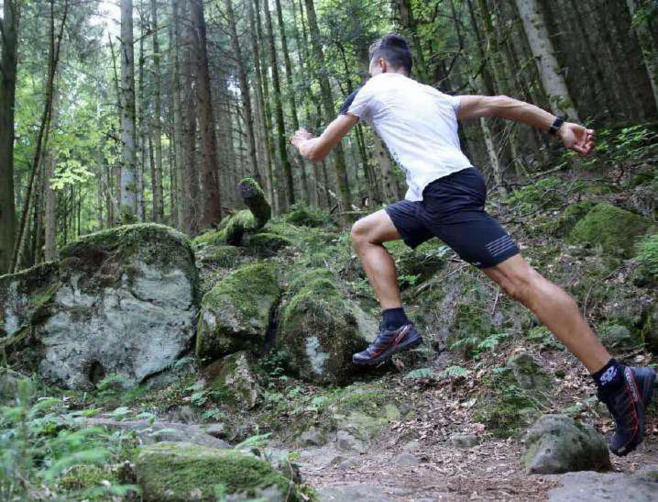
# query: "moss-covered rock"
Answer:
x=614 y=335
x=235 y=314
x=307 y=217
x=182 y=472
x=120 y=301
x=211 y=237
x=566 y=221
x=232 y=381
x=557 y=444
x=529 y=375
x=240 y=223
x=222 y=256
x=417 y=265
x=318 y=332
x=266 y=243
x=611 y=228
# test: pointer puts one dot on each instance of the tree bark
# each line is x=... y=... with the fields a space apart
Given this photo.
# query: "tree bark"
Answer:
x=128 y=204
x=328 y=103
x=156 y=176
x=282 y=141
x=8 y=66
x=211 y=211
x=544 y=54
x=647 y=46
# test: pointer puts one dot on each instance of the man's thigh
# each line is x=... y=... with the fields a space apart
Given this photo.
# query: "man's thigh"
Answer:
x=376 y=228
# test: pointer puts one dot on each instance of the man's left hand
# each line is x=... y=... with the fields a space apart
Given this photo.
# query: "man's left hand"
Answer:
x=577 y=138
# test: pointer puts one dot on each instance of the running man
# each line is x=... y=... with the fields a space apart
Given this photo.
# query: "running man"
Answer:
x=446 y=199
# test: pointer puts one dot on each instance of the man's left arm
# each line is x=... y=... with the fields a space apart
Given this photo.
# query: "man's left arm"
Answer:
x=574 y=136
x=316 y=149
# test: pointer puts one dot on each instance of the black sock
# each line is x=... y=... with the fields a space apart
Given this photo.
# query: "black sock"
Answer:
x=609 y=377
x=394 y=318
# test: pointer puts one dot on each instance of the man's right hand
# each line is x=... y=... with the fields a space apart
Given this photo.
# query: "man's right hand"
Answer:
x=577 y=138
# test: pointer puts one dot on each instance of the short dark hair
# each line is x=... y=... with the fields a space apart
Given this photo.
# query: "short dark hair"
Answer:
x=394 y=50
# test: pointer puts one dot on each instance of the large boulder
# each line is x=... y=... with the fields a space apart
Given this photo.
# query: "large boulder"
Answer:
x=121 y=301
x=183 y=472
x=318 y=332
x=557 y=444
x=232 y=381
x=612 y=228
x=235 y=314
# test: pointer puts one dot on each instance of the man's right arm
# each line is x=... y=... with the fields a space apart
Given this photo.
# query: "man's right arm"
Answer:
x=575 y=137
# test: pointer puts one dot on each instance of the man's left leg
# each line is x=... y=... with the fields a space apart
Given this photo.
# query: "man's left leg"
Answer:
x=626 y=391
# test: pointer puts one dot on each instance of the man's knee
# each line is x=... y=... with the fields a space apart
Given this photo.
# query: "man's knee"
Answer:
x=522 y=287
x=359 y=233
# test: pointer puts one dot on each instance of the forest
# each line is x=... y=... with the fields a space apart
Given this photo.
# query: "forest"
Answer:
x=153 y=111
x=181 y=297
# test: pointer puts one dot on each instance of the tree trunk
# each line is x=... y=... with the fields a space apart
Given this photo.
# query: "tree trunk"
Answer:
x=267 y=112
x=211 y=210
x=328 y=103
x=245 y=94
x=156 y=176
x=128 y=204
x=647 y=46
x=542 y=49
x=140 y=102
x=390 y=187
x=183 y=203
x=291 y=93
x=8 y=64
x=282 y=141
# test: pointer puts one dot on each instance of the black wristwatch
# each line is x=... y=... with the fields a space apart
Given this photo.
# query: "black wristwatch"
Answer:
x=556 y=125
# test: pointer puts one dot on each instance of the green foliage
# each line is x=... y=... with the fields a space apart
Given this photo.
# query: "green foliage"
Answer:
x=545 y=192
x=623 y=148
x=43 y=450
x=648 y=255
x=308 y=217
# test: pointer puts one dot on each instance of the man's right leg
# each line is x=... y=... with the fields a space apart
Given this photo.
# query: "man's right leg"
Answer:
x=368 y=236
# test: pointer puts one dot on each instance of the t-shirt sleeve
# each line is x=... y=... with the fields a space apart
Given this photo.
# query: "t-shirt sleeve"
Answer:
x=456 y=102
x=362 y=104
x=348 y=101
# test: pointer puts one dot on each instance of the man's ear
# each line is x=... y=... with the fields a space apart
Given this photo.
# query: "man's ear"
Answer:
x=383 y=64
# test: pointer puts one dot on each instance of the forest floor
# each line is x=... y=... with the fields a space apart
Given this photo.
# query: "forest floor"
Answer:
x=490 y=470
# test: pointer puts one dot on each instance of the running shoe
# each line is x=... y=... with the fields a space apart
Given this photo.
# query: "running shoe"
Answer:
x=388 y=343
x=627 y=405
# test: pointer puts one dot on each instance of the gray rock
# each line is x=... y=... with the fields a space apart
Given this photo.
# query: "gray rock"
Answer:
x=557 y=444
x=348 y=443
x=217 y=430
x=183 y=472
x=159 y=432
x=233 y=381
x=589 y=486
x=617 y=336
x=527 y=373
x=314 y=437
x=9 y=383
x=406 y=460
x=464 y=440
x=318 y=331
x=362 y=493
x=122 y=301
x=235 y=313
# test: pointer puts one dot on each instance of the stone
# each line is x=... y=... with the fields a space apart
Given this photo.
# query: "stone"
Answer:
x=557 y=444
x=589 y=486
x=265 y=243
x=406 y=460
x=361 y=492
x=122 y=301
x=9 y=384
x=158 y=432
x=348 y=443
x=232 y=381
x=464 y=440
x=314 y=437
x=318 y=332
x=613 y=229
x=528 y=373
x=235 y=313
x=217 y=430
x=618 y=336
x=183 y=472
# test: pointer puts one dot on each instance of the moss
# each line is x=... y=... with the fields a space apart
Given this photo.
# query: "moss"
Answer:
x=611 y=228
x=84 y=477
x=267 y=244
x=222 y=256
x=182 y=472
x=648 y=257
x=562 y=225
x=307 y=217
x=417 y=265
x=308 y=277
x=239 y=307
x=211 y=238
x=318 y=333
x=472 y=324
x=239 y=223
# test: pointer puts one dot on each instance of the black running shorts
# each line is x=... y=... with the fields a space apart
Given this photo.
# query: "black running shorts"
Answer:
x=452 y=209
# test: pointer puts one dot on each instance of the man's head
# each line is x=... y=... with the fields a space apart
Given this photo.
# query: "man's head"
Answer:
x=390 y=53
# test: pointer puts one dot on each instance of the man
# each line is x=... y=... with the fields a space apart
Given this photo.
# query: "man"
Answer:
x=446 y=199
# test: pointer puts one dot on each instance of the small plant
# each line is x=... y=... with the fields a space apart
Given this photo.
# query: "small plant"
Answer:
x=454 y=372
x=648 y=255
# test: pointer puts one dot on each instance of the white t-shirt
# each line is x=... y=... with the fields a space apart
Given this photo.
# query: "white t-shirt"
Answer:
x=418 y=125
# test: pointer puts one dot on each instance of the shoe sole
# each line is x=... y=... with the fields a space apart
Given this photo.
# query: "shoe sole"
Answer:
x=407 y=344
x=647 y=377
